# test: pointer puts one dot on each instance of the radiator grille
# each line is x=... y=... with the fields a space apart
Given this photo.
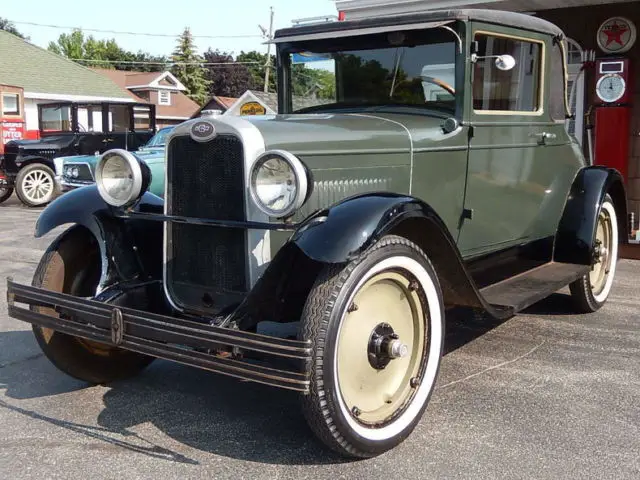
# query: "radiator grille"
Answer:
x=206 y=266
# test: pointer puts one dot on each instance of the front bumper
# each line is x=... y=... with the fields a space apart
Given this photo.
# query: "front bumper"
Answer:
x=171 y=338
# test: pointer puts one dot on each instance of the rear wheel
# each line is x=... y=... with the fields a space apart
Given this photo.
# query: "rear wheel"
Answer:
x=591 y=291
x=5 y=193
x=35 y=185
x=73 y=266
x=376 y=328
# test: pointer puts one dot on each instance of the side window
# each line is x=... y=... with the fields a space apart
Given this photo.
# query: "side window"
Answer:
x=557 y=91
x=90 y=118
x=141 y=118
x=119 y=118
x=515 y=90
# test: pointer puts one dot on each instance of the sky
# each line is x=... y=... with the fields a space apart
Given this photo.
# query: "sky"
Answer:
x=210 y=18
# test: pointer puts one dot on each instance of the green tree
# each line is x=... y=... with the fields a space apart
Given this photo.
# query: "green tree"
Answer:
x=91 y=52
x=256 y=69
x=188 y=68
x=8 y=26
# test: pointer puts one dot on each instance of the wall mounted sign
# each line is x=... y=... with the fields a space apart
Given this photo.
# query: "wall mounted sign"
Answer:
x=616 y=35
x=252 y=108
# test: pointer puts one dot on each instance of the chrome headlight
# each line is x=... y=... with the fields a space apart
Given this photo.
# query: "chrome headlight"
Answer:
x=279 y=183
x=121 y=178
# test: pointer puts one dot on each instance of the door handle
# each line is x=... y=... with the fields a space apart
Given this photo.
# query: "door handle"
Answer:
x=107 y=140
x=543 y=137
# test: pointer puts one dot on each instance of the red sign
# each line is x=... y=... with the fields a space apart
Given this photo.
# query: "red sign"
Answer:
x=616 y=35
x=10 y=130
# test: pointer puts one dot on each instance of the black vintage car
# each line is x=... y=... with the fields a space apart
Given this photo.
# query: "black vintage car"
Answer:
x=71 y=129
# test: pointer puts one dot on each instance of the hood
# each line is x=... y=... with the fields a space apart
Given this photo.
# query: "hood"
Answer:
x=331 y=133
x=48 y=143
x=340 y=133
x=151 y=155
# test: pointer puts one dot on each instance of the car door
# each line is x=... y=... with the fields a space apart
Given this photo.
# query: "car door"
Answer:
x=116 y=126
x=516 y=180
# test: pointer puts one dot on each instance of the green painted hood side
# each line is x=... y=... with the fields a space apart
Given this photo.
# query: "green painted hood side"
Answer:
x=325 y=134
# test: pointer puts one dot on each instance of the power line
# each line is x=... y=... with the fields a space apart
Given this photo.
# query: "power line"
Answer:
x=168 y=62
x=117 y=32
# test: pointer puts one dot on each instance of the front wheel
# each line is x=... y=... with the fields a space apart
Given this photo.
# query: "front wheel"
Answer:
x=72 y=266
x=376 y=328
x=590 y=292
x=35 y=185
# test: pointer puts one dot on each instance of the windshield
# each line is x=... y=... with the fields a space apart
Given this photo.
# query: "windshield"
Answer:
x=160 y=138
x=395 y=70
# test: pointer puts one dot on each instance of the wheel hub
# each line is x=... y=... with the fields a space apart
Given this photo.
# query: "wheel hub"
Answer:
x=385 y=345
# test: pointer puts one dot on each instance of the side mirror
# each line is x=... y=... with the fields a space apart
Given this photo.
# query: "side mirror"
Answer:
x=505 y=62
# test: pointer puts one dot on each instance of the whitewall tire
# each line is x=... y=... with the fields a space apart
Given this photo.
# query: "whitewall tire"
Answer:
x=376 y=326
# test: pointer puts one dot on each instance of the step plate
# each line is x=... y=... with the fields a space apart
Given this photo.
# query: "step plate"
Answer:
x=529 y=287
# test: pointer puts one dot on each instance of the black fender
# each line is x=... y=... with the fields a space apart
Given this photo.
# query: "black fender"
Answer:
x=28 y=160
x=342 y=232
x=129 y=248
x=576 y=230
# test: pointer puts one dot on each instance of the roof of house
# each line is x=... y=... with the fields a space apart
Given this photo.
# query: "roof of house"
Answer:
x=39 y=71
x=226 y=102
x=181 y=105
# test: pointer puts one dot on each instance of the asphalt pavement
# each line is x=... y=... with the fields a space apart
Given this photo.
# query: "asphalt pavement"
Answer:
x=544 y=395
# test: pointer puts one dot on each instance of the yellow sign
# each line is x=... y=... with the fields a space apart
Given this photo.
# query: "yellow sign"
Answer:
x=252 y=108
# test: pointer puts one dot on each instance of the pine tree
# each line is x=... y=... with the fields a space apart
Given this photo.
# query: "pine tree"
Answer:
x=187 y=68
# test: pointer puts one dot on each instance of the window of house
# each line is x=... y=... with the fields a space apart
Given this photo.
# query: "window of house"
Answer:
x=10 y=104
x=515 y=90
x=164 y=97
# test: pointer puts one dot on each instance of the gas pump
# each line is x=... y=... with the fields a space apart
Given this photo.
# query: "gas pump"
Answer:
x=612 y=113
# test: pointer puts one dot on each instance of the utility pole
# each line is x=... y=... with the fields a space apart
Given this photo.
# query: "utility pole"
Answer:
x=269 y=37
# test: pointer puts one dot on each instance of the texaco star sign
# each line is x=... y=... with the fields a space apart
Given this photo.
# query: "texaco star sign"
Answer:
x=616 y=35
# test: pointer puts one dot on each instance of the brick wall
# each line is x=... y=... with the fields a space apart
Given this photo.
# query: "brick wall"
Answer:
x=581 y=24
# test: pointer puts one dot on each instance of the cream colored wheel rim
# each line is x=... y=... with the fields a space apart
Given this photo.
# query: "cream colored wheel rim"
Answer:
x=603 y=246
x=37 y=186
x=375 y=396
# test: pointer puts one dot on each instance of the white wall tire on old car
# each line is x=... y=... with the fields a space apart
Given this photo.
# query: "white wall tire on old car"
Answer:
x=35 y=185
x=376 y=327
x=591 y=291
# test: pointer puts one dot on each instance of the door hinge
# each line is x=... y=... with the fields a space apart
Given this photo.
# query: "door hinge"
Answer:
x=467 y=214
x=470 y=132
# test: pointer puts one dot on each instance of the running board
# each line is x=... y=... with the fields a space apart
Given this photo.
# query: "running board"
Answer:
x=521 y=291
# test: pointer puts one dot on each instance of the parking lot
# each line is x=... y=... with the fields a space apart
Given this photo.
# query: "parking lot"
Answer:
x=546 y=394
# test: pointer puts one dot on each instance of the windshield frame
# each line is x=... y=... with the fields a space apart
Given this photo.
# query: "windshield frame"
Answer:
x=440 y=35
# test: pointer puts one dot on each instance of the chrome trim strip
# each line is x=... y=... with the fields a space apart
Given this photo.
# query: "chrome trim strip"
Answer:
x=258 y=241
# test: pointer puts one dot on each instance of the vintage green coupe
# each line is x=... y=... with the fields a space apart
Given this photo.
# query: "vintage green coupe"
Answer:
x=434 y=171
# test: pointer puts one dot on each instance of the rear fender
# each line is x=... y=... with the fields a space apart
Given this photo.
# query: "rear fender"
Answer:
x=576 y=231
x=128 y=248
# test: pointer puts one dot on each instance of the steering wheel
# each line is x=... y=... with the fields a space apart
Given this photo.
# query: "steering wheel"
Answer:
x=441 y=84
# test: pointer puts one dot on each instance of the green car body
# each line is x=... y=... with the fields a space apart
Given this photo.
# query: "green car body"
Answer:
x=85 y=165
x=421 y=165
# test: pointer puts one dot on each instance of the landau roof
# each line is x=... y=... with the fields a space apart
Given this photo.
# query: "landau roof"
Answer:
x=421 y=20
